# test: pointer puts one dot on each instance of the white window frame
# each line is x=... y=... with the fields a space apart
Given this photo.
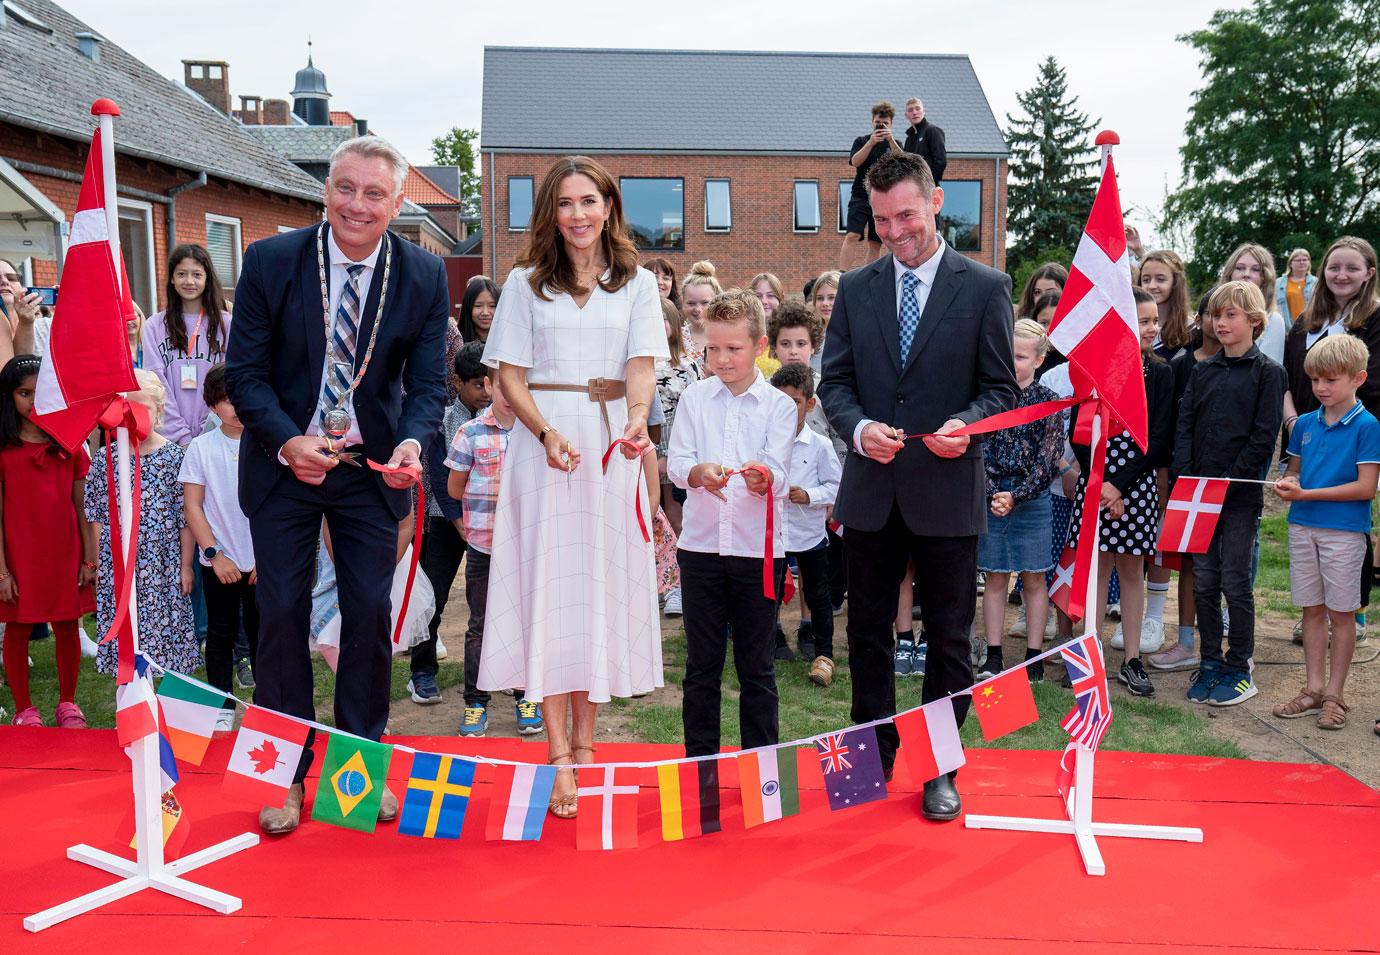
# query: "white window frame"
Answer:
x=145 y=211
x=228 y=281
x=533 y=185
x=718 y=230
x=286 y=228
x=843 y=206
x=819 y=216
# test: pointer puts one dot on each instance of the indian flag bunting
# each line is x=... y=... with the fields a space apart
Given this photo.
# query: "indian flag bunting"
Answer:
x=770 y=785
x=189 y=712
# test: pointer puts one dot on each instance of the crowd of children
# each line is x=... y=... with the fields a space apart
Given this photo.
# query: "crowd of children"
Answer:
x=736 y=413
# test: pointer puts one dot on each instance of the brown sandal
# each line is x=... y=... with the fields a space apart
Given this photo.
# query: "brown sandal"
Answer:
x=564 y=806
x=588 y=749
x=1333 y=713
x=1305 y=702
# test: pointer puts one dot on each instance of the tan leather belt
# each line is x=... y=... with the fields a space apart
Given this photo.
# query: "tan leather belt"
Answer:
x=602 y=390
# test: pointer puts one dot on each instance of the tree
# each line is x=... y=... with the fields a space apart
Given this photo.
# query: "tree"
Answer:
x=1282 y=137
x=1053 y=166
x=456 y=148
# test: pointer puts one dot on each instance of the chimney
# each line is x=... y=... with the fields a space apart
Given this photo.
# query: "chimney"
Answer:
x=251 y=110
x=275 y=112
x=89 y=46
x=361 y=127
x=211 y=80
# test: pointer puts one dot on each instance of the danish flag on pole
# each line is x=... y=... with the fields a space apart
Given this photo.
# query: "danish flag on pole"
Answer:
x=88 y=350
x=1095 y=323
x=1190 y=516
x=1061 y=587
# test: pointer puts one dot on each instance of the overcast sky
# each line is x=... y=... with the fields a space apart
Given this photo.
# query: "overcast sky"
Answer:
x=413 y=68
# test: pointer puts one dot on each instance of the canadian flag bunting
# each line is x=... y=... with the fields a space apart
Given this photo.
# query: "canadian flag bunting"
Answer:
x=1190 y=515
x=267 y=750
x=1095 y=323
x=88 y=350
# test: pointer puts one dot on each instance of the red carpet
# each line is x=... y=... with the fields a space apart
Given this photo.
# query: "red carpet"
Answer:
x=1289 y=862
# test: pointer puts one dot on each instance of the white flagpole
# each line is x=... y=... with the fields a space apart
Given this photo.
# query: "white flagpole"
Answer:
x=149 y=870
x=1078 y=820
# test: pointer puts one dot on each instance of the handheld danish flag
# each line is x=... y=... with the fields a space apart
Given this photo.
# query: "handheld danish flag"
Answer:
x=1061 y=587
x=1095 y=324
x=1190 y=516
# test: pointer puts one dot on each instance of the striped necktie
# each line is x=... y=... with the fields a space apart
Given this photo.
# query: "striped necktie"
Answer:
x=340 y=363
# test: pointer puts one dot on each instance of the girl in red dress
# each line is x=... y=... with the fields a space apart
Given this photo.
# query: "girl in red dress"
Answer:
x=47 y=550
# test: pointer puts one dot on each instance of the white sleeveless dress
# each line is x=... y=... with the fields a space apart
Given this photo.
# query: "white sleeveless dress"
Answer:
x=572 y=603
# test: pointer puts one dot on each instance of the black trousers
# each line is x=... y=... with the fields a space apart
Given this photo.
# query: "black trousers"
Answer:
x=1225 y=571
x=813 y=565
x=227 y=606
x=718 y=593
x=442 y=550
x=946 y=582
x=364 y=536
x=838 y=570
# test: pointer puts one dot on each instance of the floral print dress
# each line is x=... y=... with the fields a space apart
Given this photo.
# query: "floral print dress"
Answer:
x=167 y=634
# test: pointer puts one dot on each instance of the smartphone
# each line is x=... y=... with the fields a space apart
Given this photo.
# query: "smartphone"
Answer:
x=47 y=294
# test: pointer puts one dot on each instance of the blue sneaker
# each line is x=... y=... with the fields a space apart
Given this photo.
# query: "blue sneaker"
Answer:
x=529 y=721
x=475 y=722
x=1233 y=686
x=1205 y=679
x=917 y=660
x=905 y=657
x=422 y=686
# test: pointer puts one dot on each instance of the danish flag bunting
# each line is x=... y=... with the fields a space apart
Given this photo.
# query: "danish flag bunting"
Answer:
x=607 y=817
x=1061 y=587
x=1190 y=515
x=1095 y=323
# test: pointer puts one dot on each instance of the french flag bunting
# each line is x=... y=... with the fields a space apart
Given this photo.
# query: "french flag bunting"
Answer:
x=1191 y=513
x=88 y=356
x=521 y=797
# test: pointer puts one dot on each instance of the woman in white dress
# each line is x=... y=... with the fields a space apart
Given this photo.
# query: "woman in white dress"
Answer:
x=572 y=613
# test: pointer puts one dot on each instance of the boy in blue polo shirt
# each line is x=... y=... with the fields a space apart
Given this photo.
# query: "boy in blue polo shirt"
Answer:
x=1333 y=467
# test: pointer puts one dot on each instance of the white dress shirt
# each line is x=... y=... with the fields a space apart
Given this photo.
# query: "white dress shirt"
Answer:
x=815 y=469
x=714 y=425
x=337 y=274
x=925 y=272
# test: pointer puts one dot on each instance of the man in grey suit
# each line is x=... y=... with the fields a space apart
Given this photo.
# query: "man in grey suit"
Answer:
x=919 y=342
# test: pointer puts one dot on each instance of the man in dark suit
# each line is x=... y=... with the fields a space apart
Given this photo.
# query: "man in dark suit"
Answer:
x=925 y=139
x=344 y=317
x=919 y=342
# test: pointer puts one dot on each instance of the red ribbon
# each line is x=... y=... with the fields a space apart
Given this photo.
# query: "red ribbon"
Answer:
x=769 y=544
x=608 y=453
x=123 y=413
x=1092 y=501
x=1006 y=419
x=416 y=473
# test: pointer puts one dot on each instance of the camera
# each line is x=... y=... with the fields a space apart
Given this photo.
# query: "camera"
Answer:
x=47 y=294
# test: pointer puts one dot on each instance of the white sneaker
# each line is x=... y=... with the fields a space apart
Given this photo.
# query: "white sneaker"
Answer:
x=225 y=722
x=1051 y=627
x=1118 y=638
x=1151 y=635
x=1018 y=628
x=672 y=608
x=88 y=646
x=440 y=648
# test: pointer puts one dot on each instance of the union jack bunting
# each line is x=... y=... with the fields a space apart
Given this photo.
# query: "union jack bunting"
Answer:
x=1091 y=715
x=833 y=754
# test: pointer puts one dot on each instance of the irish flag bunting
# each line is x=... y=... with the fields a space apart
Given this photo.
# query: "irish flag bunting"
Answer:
x=267 y=750
x=190 y=715
x=770 y=785
x=929 y=740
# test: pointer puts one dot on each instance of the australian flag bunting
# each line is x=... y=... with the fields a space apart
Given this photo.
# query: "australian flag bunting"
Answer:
x=852 y=768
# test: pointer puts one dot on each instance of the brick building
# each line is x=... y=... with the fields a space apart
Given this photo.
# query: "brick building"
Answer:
x=184 y=169
x=740 y=158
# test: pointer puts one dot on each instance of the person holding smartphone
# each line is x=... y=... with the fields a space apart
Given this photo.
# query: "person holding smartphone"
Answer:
x=866 y=151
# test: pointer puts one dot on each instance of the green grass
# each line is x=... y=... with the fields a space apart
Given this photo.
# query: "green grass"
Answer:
x=805 y=710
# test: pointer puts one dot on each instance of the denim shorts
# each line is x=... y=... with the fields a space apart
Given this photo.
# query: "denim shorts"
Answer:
x=1020 y=541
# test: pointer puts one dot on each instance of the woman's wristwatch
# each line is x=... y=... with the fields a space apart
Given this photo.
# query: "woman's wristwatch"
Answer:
x=541 y=436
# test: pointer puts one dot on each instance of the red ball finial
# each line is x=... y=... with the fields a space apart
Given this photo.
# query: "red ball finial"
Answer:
x=105 y=107
x=1108 y=138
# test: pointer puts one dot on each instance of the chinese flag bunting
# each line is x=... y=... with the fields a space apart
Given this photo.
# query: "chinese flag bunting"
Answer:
x=1004 y=703
x=1190 y=516
x=1095 y=323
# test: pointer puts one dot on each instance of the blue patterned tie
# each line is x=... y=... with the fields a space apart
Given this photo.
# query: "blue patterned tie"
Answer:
x=340 y=362
x=910 y=312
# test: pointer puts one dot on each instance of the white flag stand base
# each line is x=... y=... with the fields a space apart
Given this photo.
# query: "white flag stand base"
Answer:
x=1079 y=823
x=165 y=878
